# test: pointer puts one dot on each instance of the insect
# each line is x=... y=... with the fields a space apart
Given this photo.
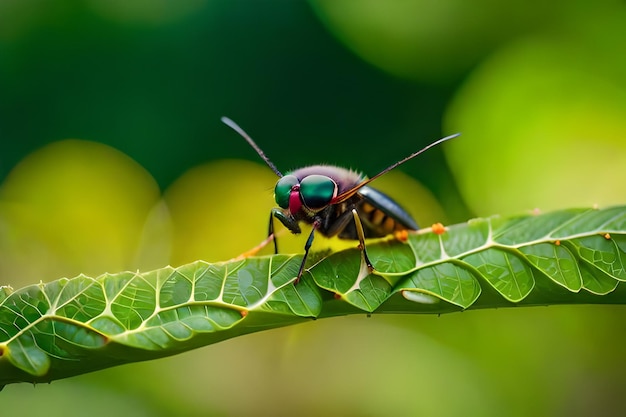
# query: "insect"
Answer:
x=335 y=202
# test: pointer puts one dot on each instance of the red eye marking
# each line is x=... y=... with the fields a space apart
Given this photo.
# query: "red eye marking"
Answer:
x=295 y=204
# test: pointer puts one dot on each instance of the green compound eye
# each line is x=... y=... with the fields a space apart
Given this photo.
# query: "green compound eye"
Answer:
x=283 y=190
x=317 y=191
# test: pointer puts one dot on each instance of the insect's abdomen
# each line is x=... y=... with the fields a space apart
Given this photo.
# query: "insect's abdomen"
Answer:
x=379 y=214
x=379 y=223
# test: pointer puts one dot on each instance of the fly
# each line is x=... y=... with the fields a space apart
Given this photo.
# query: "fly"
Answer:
x=335 y=202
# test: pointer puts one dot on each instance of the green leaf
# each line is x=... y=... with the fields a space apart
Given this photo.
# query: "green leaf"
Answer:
x=72 y=326
x=506 y=271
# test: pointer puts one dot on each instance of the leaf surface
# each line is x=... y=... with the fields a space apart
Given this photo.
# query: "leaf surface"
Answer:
x=72 y=326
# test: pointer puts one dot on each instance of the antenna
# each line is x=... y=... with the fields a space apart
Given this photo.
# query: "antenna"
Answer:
x=349 y=193
x=258 y=150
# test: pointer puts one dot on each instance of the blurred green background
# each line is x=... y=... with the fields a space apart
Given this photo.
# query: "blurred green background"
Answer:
x=112 y=157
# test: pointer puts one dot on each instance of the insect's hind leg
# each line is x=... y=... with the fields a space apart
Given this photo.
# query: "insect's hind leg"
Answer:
x=361 y=236
x=255 y=250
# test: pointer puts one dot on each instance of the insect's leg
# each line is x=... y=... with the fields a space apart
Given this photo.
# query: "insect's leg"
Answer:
x=288 y=221
x=254 y=250
x=292 y=224
x=307 y=246
x=270 y=232
x=339 y=224
x=361 y=234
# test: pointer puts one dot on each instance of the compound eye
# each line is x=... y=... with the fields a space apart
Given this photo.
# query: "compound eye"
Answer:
x=283 y=190
x=317 y=191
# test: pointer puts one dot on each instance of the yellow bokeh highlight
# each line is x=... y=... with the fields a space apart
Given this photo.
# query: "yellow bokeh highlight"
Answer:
x=220 y=210
x=543 y=127
x=72 y=207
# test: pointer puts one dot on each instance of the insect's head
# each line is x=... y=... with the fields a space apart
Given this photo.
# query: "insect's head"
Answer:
x=314 y=193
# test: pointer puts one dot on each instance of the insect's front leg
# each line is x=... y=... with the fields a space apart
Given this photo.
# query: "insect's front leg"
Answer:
x=292 y=224
x=270 y=232
x=288 y=221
